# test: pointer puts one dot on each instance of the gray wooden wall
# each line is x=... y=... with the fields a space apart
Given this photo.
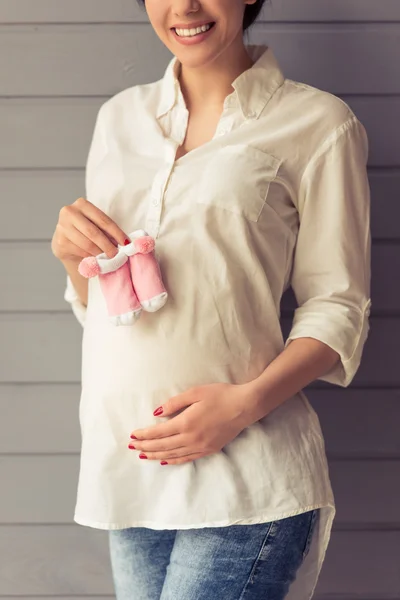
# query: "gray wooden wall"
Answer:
x=59 y=60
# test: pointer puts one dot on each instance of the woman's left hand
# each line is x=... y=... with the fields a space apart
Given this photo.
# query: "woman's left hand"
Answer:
x=213 y=415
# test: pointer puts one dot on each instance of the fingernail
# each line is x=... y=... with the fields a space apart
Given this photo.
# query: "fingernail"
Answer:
x=142 y=456
x=132 y=446
x=158 y=411
x=163 y=462
x=127 y=242
x=133 y=437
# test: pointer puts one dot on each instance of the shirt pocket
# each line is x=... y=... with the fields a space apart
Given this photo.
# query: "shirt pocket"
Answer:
x=237 y=179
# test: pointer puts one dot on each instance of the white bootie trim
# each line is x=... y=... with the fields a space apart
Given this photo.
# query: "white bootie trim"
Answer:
x=154 y=303
x=128 y=318
x=131 y=249
x=108 y=265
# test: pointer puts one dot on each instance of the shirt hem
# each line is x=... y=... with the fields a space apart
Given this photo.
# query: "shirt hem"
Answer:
x=259 y=518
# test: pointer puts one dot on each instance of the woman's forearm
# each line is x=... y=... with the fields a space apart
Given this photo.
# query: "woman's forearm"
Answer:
x=300 y=363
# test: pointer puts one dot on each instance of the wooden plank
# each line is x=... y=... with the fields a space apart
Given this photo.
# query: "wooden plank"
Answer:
x=103 y=59
x=33 y=280
x=367 y=109
x=40 y=348
x=59 y=11
x=385 y=204
x=359 y=564
x=99 y=60
x=73 y=11
x=48 y=347
x=28 y=287
x=360 y=505
x=315 y=54
x=353 y=567
x=355 y=423
x=334 y=10
x=54 y=561
x=358 y=423
x=34 y=199
x=65 y=128
x=329 y=596
x=25 y=430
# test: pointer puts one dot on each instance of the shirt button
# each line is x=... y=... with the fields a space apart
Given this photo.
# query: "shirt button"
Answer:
x=155 y=202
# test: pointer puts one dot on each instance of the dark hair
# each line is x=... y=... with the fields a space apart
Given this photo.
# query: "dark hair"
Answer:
x=251 y=12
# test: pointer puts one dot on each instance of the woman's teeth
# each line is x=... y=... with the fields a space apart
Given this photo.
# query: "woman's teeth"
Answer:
x=192 y=32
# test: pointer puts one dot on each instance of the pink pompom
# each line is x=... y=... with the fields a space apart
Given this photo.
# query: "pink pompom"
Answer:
x=144 y=244
x=89 y=267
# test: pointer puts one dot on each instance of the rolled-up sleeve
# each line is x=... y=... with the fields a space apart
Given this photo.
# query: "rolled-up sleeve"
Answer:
x=97 y=151
x=331 y=266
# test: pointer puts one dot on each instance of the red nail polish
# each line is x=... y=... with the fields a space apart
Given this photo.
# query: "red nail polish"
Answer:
x=163 y=462
x=132 y=446
x=142 y=456
x=158 y=411
x=133 y=437
x=127 y=242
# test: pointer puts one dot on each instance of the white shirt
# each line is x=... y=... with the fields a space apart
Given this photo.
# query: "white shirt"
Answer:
x=279 y=196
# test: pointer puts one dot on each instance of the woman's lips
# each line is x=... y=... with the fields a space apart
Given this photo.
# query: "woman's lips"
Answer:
x=195 y=39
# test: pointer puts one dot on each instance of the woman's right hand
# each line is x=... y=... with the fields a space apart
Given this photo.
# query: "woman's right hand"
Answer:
x=85 y=230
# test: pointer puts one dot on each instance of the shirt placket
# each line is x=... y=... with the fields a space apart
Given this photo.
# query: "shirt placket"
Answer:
x=153 y=217
x=175 y=138
x=179 y=123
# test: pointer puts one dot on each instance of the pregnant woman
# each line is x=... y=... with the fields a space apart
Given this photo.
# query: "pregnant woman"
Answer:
x=201 y=455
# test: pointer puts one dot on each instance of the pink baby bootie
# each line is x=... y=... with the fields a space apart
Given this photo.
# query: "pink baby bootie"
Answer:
x=145 y=271
x=130 y=281
x=123 y=306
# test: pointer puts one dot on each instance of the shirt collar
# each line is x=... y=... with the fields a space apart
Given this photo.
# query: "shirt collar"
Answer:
x=253 y=88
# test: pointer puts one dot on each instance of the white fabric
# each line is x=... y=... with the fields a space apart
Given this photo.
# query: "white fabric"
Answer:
x=71 y=296
x=279 y=195
x=109 y=265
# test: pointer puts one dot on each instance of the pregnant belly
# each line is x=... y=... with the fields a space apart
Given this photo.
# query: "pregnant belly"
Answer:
x=144 y=356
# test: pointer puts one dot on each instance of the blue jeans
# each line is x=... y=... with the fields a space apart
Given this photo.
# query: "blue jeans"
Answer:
x=235 y=562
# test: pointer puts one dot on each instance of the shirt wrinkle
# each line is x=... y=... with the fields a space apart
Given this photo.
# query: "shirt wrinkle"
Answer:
x=328 y=144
